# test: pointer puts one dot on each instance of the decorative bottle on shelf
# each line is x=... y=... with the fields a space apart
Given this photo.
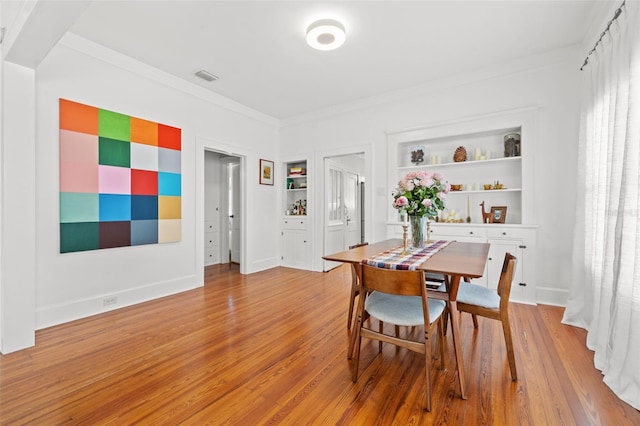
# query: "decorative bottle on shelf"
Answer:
x=512 y=145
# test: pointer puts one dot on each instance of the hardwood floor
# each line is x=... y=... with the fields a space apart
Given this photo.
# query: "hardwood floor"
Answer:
x=270 y=348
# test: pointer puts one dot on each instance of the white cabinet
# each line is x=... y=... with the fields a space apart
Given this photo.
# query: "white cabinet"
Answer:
x=296 y=250
x=493 y=160
x=508 y=177
x=519 y=240
x=295 y=188
x=295 y=244
x=211 y=246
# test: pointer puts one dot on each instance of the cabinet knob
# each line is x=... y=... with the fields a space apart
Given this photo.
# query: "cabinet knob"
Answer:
x=522 y=284
x=471 y=232
x=504 y=233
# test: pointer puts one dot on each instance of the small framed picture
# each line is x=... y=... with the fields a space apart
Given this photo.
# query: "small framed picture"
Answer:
x=266 y=172
x=498 y=214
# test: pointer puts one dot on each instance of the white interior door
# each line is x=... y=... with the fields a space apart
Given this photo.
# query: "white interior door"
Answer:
x=342 y=210
x=334 y=211
x=235 y=218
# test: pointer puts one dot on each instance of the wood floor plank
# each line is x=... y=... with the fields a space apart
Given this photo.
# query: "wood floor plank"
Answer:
x=271 y=348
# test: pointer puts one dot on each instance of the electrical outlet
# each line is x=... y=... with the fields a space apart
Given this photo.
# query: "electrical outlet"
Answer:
x=107 y=301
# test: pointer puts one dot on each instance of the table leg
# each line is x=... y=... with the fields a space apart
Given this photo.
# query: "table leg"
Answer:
x=455 y=330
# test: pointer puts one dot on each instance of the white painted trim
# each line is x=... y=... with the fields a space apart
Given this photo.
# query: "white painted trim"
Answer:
x=467 y=119
x=64 y=312
x=552 y=296
x=112 y=57
x=318 y=224
x=204 y=143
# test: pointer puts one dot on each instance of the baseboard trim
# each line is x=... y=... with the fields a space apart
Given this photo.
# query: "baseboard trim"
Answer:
x=552 y=296
x=51 y=315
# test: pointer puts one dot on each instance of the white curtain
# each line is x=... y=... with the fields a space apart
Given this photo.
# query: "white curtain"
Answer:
x=605 y=294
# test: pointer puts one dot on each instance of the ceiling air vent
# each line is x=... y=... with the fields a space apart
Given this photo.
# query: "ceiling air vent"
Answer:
x=206 y=75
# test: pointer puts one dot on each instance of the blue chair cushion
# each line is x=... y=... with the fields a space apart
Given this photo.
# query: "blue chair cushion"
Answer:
x=472 y=294
x=401 y=310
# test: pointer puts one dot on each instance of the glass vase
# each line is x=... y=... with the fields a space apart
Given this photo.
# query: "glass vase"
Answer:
x=418 y=226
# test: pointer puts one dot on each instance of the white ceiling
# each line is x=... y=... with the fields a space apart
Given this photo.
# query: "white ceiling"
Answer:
x=258 y=51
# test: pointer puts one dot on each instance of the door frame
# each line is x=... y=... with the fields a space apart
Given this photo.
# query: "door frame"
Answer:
x=207 y=144
x=369 y=178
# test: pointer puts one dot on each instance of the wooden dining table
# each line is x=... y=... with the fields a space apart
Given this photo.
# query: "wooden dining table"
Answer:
x=456 y=261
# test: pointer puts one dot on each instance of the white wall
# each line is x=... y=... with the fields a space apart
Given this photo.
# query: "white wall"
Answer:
x=73 y=285
x=549 y=81
x=18 y=206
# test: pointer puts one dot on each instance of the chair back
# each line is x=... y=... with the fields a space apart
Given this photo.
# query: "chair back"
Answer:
x=358 y=245
x=403 y=283
x=506 y=277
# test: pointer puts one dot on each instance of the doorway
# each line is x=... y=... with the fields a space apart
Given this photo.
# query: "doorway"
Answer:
x=222 y=208
x=344 y=218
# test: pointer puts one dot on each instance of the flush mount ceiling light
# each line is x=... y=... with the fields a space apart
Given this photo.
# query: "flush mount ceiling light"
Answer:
x=326 y=34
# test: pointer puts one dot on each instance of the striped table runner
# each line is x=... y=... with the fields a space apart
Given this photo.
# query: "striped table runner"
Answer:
x=394 y=259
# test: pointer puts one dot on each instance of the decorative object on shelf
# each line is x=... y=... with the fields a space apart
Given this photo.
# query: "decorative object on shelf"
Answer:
x=456 y=187
x=299 y=208
x=486 y=216
x=512 y=145
x=481 y=155
x=417 y=154
x=290 y=184
x=460 y=154
x=468 y=211
x=420 y=195
x=266 y=172
x=297 y=171
x=494 y=185
x=451 y=216
x=498 y=214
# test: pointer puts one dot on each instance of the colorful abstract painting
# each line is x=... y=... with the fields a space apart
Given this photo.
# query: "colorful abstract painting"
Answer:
x=120 y=180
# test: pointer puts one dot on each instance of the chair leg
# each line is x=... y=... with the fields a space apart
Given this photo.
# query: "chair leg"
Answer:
x=427 y=368
x=357 y=342
x=352 y=302
x=475 y=320
x=506 y=328
x=441 y=342
x=445 y=318
x=380 y=329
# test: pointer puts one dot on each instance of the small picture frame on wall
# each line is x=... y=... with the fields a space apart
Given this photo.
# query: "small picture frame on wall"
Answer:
x=266 y=172
x=498 y=214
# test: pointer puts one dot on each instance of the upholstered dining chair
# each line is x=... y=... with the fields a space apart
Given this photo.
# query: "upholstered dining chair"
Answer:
x=400 y=298
x=478 y=300
x=355 y=287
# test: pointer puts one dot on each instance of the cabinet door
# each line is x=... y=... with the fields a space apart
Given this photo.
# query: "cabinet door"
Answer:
x=462 y=235
x=497 y=252
x=295 y=249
